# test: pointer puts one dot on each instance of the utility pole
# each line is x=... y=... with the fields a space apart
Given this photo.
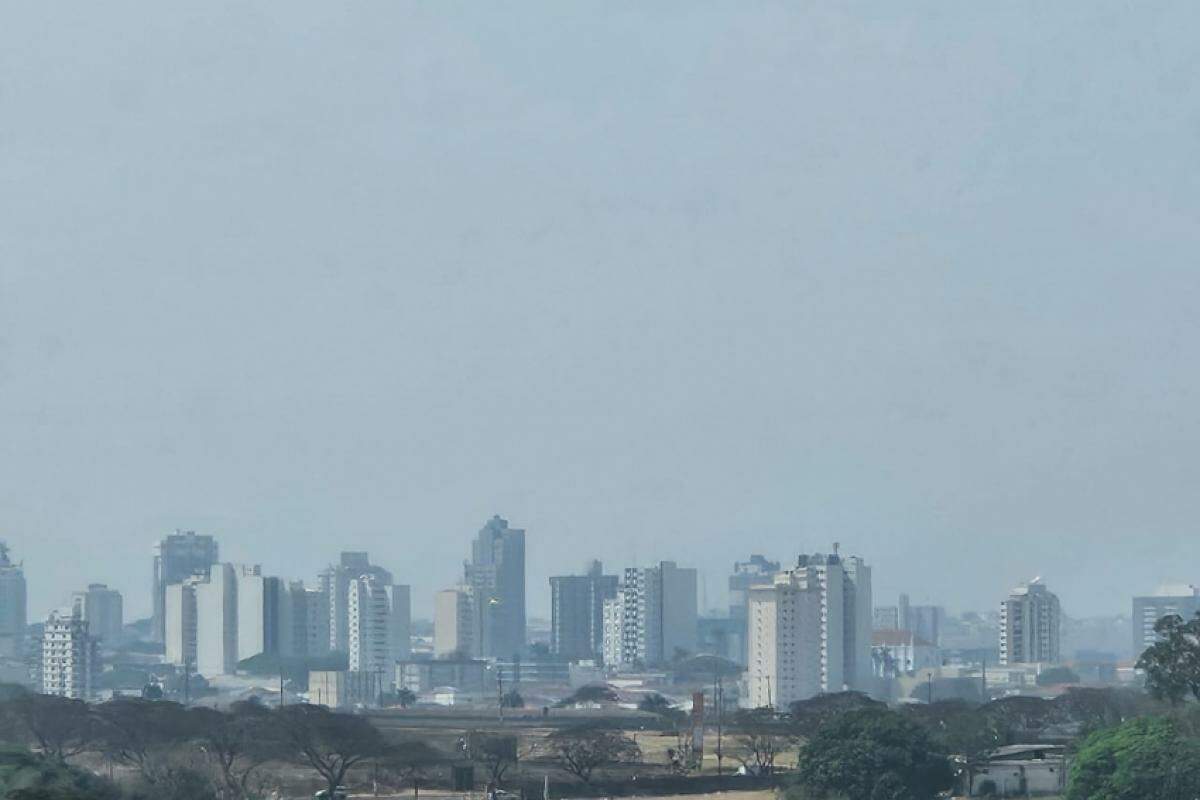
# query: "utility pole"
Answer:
x=720 y=698
x=187 y=680
x=281 y=683
x=500 y=690
x=931 y=687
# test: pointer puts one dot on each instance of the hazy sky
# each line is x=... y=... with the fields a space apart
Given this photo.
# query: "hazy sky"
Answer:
x=651 y=279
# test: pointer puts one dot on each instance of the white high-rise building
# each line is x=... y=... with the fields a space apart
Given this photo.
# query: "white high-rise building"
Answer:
x=180 y=623
x=1030 y=620
x=658 y=616
x=335 y=583
x=259 y=601
x=13 y=620
x=810 y=631
x=70 y=662
x=369 y=609
x=217 y=622
x=102 y=608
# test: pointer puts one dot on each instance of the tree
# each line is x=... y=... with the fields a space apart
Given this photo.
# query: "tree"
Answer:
x=512 y=699
x=142 y=734
x=410 y=761
x=662 y=708
x=871 y=754
x=582 y=749
x=1142 y=759
x=405 y=697
x=238 y=743
x=955 y=726
x=810 y=714
x=759 y=736
x=592 y=693
x=1056 y=675
x=1172 y=664
x=26 y=776
x=328 y=742
x=57 y=726
x=495 y=751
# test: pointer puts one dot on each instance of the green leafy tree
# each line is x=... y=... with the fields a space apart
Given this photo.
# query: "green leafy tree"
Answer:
x=871 y=754
x=1172 y=664
x=405 y=697
x=26 y=776
x=1142 y=759
x=512 y=699
x=592 y=693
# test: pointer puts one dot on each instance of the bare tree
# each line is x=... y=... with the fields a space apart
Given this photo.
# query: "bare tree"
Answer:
x=495 y=751
x=328 y=742
x=238 y=744
x=410 y=762
x=759 y=737
x=143 y=734
x=583 y=749
x=58 y=727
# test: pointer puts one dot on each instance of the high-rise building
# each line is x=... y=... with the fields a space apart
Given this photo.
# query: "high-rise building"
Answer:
x=12 y=606
x=453 y=625
x=369 y=610
x=1172 y=599
x=577 y=613
x=181 y=622
x=810 y=630
x=259 y=605
x=886 y=618
x=496 y=575
x=757 y=571
x=304 y=621
x=658 y=617
x=1030 y=619
x=177 y=557
x=217 y=622
x=335 y=583
x=400 y=621
x=70 y=662
x=101 y=608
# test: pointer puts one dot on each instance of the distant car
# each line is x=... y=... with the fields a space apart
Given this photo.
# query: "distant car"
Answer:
x=339 y=794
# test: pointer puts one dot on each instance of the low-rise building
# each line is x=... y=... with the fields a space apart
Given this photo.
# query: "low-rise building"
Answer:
x=1033 y=770
x=468 y=675
x=895 y=653
x=345 y=688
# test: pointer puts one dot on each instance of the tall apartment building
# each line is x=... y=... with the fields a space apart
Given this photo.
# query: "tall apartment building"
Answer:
x=924 y=621
x=177 y=557
x=260 y=603
x=577 y=613
x=379 y=625
x=181 y=621
x=1180 y=600
x=810 y=630
x=102 y=609
x=757 y=571
x=1030 y=620
x=217 y=622
x=13 y=619
x=453 y=625
x=658 y=616
x=496 y=576
x=70 y=662
x=335 y=583
x=304 y=621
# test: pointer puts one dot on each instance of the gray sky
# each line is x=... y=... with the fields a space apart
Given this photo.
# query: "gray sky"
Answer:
x=653 y=279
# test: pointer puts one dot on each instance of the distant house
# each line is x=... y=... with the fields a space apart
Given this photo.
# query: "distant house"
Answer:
x=1020 y=770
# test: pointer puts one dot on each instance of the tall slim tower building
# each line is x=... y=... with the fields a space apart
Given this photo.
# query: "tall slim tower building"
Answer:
x=1030 y=620
x=217 y=622
x=70 y=663
x=12 y=606
x=335 y=583
x=176 y=558
x=757 y=571
x=577 y=613
x=496 y=576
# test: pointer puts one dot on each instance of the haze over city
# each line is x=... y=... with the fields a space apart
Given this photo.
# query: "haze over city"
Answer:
x=671 y=281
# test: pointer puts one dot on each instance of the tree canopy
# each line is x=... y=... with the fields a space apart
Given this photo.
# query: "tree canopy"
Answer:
x=1172 y=664
x=1143 y=759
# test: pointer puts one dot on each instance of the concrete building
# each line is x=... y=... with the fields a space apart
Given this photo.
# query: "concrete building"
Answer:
x=102 y=609
x=346 y=689
x=786 y=633
x=70 y=659
x=335 y=583
x=1179 y=599
x=757 y=571
x=658 y=616
x=217 y=622
x=13 y=620
x=1019 y=770
x=577 y=613
x=181 y=623
x=259 y=612
x=370 y=609
x=177 y=557
x=886 y=618
x=612 y=646
x=496 y=575
x=924 y=621
x=467 y=675
x=795 y=654
x=453 y=628
x=1030 y=620
x=895 y=653
x=400 y=621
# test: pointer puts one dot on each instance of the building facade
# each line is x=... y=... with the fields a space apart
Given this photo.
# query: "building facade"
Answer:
x=453 y=628
x=103 y=609
x=657 y=618
x=1030 y=622
x=1179 y=600
x=13 y=619
x=496 y=576
x=335 y=584
x=217 y=622
x=70 y=660
x=177 y=557
x=577 y=613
